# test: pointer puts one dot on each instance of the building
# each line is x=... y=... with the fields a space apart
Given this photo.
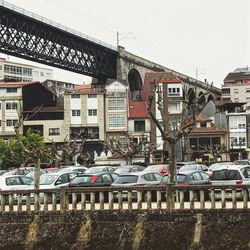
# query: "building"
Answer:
x=31 y=98
x=84 y=117
x=116 y=109
x=236 y=86
x=233 y=118
x=204 y=136
x=16 y=72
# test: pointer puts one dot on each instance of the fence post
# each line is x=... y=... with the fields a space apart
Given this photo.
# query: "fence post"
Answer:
x=62 y=199
x=170 y=198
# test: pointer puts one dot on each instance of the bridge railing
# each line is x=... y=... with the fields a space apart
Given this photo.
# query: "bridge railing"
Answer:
x=109 y=198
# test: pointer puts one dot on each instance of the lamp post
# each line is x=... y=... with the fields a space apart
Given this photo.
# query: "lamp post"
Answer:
x=232 y=147
x=240 y=153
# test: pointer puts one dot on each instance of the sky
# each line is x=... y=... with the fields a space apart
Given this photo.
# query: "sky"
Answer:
x=206 y=39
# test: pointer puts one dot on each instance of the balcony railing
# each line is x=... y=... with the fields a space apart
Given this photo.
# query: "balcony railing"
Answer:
x=109 y=198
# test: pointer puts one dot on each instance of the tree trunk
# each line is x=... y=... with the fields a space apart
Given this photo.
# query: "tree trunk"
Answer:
x=129 y=160
x=37 y=174
x=172 y=162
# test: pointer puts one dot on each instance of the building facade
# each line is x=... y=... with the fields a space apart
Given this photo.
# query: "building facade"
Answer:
x=12 y=71
x=236 y=86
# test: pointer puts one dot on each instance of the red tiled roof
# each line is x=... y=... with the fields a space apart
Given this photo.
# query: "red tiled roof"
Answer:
x=162 y=77
x=86 y=89
x=138 y=110
x=18 y=83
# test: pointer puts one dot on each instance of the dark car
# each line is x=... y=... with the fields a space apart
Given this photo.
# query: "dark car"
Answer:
x=190 y=178
x=129 y=168
x=93 y=180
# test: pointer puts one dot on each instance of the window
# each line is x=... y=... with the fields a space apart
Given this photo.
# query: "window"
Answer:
x=236 y=99
x=173 y=91
x=11 y=123
x=203 y=124
x=0 y=105
x=236 y=91
x=54 y=131
x=116 y=103
x=11 y=105
x=12 y=69
x=41 y=74
x=139 y=126
x=92 y=95
x=27 y=71
x=11 y=90
x=122 y=141
x=76 y=112
x=116 y=121
x=0 y=123
x=92 y=112
x=248 y=90
x=75 y=96
x=12 y=78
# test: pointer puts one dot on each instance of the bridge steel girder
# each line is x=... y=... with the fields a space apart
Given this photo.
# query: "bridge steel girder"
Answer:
x=31 y=39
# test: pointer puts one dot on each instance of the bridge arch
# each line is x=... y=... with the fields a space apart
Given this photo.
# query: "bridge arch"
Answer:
x=210 y=98
x=135 y=85
x=203 y=98
x=191 y=96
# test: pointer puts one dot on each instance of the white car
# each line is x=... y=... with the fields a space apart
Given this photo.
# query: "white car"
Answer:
x=231 y=175
x=14 y=182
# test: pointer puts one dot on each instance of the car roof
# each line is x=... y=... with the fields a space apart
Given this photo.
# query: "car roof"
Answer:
x=232 y=167
x=138 y=173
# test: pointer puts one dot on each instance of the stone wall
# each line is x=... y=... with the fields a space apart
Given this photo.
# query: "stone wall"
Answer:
x=219 y=229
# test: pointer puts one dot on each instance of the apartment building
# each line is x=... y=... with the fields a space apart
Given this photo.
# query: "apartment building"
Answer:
x=171 y=90
x=116 y=109
x=139 y=124
x=84 y=117
x=12 y=71
x=236 y=86
x=27 y=97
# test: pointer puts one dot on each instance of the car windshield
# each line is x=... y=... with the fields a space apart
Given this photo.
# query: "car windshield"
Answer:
x=180 y=179
x=188 y=168
x=126 y=179
x=122 y=170
x=225 y=174
x=152 y=169
x=47 y=179
x=94 y=170
x=239 y=162
x=82 y=179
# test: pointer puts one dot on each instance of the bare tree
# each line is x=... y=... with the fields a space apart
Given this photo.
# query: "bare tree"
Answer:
x=184 y=128
x=216 y=150
x=66 y=151
x=131 y=149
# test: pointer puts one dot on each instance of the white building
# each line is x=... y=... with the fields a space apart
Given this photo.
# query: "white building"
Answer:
x=12 y=71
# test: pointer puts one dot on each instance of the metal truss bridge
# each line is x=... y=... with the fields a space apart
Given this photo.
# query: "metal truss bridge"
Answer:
x=29 y=36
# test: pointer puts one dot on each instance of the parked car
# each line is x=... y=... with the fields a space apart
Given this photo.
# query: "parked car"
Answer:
x=129 y=168
x=3 y=171
x=136 y=179
x=231 y=175
x=16 y=171
x=193 y=167
x=14 y=182
x=161 y=169
x=94 y=170
x=242 y=162
x=31 y=173
x=194 y=177
x=79 y=169
x=181 y=164
x=102 y=179
x=51 y=181
x=217 y=165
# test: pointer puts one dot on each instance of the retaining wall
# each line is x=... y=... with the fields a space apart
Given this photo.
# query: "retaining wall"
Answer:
x=149 y=229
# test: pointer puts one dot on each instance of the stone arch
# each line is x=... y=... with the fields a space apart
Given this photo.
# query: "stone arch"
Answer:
x=191 y=96
x=135 y=85
x=210 y=98
x=203 y=98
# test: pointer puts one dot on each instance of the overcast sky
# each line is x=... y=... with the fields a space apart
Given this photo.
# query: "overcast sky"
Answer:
x=212 y=36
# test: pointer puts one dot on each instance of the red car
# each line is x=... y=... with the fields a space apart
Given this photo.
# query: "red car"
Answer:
x=161 y=169
x=17 y=171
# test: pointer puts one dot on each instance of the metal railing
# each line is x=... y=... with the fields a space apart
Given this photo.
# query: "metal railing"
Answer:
x=111 y=198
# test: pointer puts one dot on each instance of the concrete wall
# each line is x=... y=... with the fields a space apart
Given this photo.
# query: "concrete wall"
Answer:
x=219 y=229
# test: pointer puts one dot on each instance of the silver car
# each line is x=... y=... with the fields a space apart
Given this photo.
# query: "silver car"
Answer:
x=136 y=179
